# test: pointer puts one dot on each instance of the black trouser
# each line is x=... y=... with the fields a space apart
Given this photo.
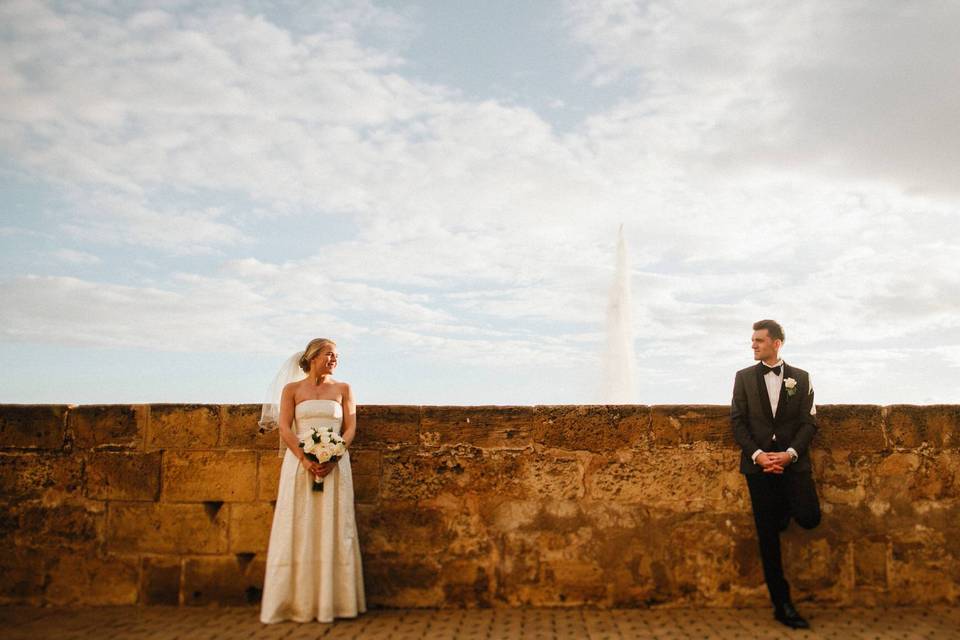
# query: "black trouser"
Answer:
x=774 y=498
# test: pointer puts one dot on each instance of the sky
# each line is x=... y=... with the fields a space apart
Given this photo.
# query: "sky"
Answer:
x=190 y=191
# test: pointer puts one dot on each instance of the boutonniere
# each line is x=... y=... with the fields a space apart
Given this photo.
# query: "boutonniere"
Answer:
x=791 y=386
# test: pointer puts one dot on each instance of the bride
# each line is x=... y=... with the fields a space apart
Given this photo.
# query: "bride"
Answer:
x=313 y=560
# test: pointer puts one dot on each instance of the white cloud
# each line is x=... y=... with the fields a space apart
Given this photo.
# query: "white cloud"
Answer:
x=10 y=232
x=466 y=229
x=233 y=104
x=863 y=90
x=134 y=107
x=65 y=310
x=119 y=218
x=73 y=256
x=198 y=314
x=192 y=314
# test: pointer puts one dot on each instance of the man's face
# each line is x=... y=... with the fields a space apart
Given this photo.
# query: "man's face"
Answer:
x=764 y=347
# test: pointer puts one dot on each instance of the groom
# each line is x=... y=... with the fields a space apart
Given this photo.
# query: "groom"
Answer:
x=774 y=420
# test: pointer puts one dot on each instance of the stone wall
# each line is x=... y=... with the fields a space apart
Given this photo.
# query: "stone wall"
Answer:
x=476 y=506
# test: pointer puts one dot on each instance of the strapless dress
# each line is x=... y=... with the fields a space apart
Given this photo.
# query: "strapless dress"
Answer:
x=313 y=568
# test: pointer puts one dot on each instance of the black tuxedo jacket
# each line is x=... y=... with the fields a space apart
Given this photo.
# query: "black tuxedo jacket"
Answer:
x=754 y=425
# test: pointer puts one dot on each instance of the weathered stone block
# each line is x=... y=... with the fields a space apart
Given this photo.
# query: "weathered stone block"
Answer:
x=686 y=424
x=815 y=562
x=191 y=476
x=893 y=479
x=225 y=581
x=674 y=479
x=393 y=581
x=402 y=528
x=468 y=583
x=268 y=475
x=938 y=478
x=418 y=474
x=239 y=430
x=92 y=580
x=555 y=476
x=520 y=568
x=26 y=426
x=183 y=426
x=843 y=470
x=909 y=426
x=629 y=586
x=870 y=563
x=556 y=561
x=9 y=523
x=920 y=574
x=597 y=428
x=746 y=558
x=22 y=575
x=486 y=427
x=160 y=581
x=850 y=427
x=508 y=515
x=123 y=476
x=618 y=536
x=573 y=582
x=366 y=488
x=380 y=426
x=365 y=461
x=108 y=425
x=470 y=536
x=898 y=465
x=167 y=528
x=561 y=527
x=27 y=476
x=60 y=525
x=250 y=527
x=692 y=555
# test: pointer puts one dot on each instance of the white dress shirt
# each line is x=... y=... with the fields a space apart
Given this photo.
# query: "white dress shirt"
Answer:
x=774 y=382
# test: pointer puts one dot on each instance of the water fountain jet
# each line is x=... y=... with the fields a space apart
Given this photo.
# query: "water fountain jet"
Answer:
x=619 y=363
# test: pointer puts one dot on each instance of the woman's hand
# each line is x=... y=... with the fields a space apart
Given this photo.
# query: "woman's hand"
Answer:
x=312 y=467
x=325 y=469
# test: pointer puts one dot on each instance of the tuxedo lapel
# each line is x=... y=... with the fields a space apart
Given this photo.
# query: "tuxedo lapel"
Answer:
x=761 y=391
x=784 y=401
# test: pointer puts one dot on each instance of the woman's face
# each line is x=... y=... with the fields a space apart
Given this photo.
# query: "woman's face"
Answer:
x=326 y=360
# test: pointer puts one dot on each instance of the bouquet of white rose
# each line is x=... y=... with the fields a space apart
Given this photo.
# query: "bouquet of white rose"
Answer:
x=322 y=445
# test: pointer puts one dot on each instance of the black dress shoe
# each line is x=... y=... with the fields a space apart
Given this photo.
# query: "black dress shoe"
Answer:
x=786 y=614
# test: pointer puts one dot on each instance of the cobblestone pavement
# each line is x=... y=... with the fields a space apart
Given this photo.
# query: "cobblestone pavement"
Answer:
x=168 y=623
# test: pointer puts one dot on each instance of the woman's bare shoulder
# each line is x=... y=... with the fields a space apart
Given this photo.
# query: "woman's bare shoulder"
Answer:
x=291 y=387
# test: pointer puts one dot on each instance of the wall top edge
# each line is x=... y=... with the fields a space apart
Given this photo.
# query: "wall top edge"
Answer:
x=4 y=405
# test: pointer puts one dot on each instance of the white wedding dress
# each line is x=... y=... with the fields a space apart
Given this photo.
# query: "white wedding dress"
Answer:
x=313 y=570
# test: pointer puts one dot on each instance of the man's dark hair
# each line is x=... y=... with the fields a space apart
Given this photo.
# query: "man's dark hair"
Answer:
x=774 y=330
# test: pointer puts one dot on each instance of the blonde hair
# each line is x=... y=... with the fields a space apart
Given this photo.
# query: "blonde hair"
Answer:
x=314 y=347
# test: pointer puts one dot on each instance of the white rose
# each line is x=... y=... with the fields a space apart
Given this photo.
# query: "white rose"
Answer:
x=340 y=449
x=309 y=446
x=325 y=437
x=789 y=383
x=326 y=452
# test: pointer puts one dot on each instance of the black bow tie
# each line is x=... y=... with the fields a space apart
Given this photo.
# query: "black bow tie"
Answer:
x=774 y=370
